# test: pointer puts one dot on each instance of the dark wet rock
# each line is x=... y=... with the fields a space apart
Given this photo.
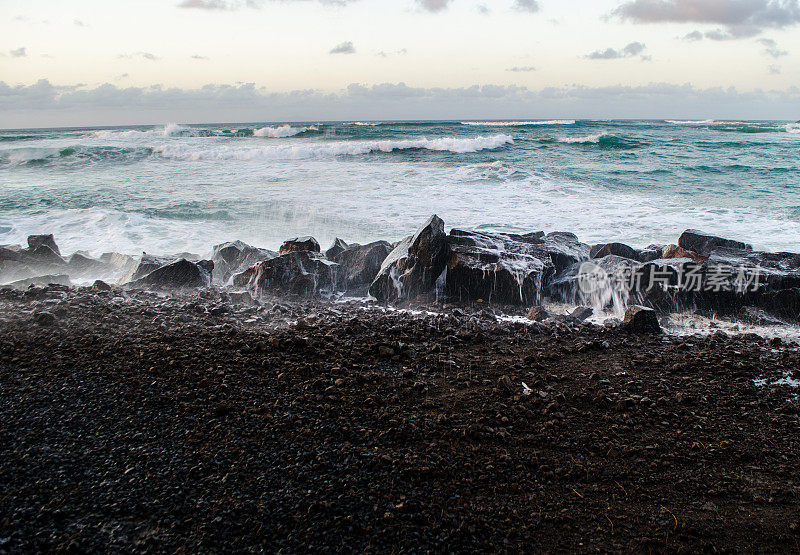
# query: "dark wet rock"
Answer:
x=146 y=264
x=538 y=314
x=58 y=279
x=235 y=257
x=81 y=265
x=784 y=303
x=703 y=243
x=241 y=298
x=649 y=253
x=49 y=241
x=582 y=313
x=640 y=319
x=674 y=251
x=177 y=275
x=496 y=267
x=10 y=254
x=336 y=249
x=43 y=255
x=100 y=285
x=600 y=280
x=617 y=249
x=414 y=264
x=302 y=273
x=359 y=264
x=45 y=318
x=563 y=248
x=300 y=244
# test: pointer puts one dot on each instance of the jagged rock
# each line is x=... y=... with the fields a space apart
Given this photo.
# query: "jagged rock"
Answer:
x=234 y=257
x=563 y=248
x=303 y=273
x=703 y=243
x=336 y=249
x=640 y=319
x=119 y=264
x=43 y=255
x=414 y=264
x=100 y=285
x=582 y=313
x=57 y=279
x=178 y=275
x=617 y=249
x=496 y=267
x=146 y=264
x=538 y=314
x=359 y=264
x=82 y=265
x=46 y=240
x=299 y=244
x=674 y=251
x=10 y=254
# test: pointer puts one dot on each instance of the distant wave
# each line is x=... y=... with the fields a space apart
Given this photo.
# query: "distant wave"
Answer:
x=793 y=128
x=603 y=140
x=282 y=131
x=519 y=123
x=749 y=128
x=456 y=145
x=690 y=122
x=73 y=155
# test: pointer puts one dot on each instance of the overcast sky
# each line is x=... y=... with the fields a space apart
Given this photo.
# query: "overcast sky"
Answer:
x=90 y=62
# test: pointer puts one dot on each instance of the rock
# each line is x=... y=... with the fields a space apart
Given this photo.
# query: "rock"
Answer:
x=538 y=314
x=49 y=241
x=146 y=264
x=45 y=318
x=241 y=298
x=10 y=254
x=617 y=249
x=703 y=243
x=582 y=313
x=100 y=285
x=601 y=282
x=359 y=264
x=43 y=255
x=235 y=257
x=82 y=265
x=57 y=279
x=336 y=249
x=299 y=244
x=414 y=264
x=303 y=273
x=674 y=251
x=650 y=253
x=496 y=267
x=178 y=275
x=640 y=319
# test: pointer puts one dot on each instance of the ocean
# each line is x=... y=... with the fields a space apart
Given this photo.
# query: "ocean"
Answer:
x=183 y=188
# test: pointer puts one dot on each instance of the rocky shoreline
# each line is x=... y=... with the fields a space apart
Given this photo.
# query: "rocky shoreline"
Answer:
x=212 y=421
x=260 y=401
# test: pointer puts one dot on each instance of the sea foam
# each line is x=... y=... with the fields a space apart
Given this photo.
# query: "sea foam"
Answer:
x=519 y=123
x=281 y=131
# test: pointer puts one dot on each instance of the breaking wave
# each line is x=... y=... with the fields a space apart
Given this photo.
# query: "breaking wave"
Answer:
x=456 y=145
x=602 y=140
x=519 y=123
x=690 y=122
x=282 y=131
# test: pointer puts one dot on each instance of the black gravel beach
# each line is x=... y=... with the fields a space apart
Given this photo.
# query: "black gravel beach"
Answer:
x=205 y=421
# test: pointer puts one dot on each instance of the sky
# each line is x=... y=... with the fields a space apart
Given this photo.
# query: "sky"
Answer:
x=114 y=62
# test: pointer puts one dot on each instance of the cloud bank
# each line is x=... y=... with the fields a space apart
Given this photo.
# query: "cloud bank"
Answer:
x=45 y=104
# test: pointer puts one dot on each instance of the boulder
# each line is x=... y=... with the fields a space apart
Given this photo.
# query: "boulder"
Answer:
x=703 y=243
x=649 y=253
x=299 y=244
x=304 y=273
x=359 y=264
x=10 y=254
x=582 y=313
x=414 y=265
x=46 y=240
x=43 y=255
x=180 y=274
x=57 y=279
x=82 y=265
x=146 y=264
x=674 y=251
x=617 y=249
x=640 y=319
x=600 y=282
x=496 y=267
x=235 y=257
x=100 y=285
x=336 y=249
x=538 y=314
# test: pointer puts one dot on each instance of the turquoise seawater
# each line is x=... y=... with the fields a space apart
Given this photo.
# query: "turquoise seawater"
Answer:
x=171 y=188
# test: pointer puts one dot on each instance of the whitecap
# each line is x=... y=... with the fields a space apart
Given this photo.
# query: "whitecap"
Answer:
x=281 y=131
x=519 y=123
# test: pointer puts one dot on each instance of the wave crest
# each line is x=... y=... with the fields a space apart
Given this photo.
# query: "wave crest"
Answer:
x=519 y=123
x=282 y=131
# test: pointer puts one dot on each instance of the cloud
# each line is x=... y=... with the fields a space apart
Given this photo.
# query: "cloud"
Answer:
x=483 y=9
x=20 y=52
x=520 y=69
x=144 y=55
x=344 y=48
x=79 y=23
x=220 y=4
x=629 y=51
x=771 y=48
x=46 y=104
x=741 y=18
x=199 y=57
x=401 y=52
x=693 y=36
x=774 y=70
x=527 y=5
x=433 y=5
